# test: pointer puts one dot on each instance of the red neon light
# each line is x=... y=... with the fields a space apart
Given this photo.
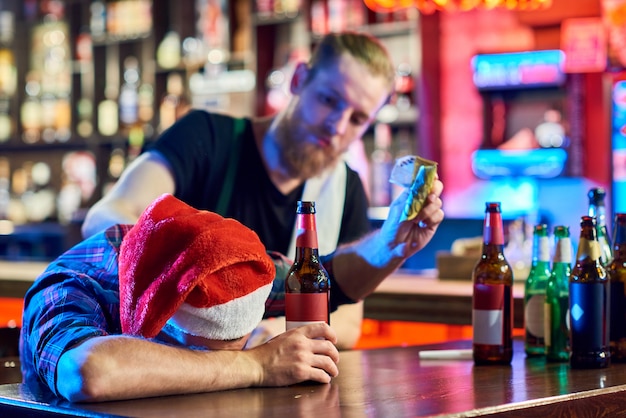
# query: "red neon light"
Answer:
x=430 y=6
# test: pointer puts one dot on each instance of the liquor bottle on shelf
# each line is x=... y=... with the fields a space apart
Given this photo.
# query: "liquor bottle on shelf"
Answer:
x=108 y=116
x=492 y=305
x=597 y=209
x=307 y=286
x=5 y=188
x=169 y=51
x=173 y=105
x=617 y=279
x=31 y=112
x=589 y=302
x=535 y=292
x=8 y=86
x=97 y=21
x=556 y=329
x=6 y=124
x=129 y=95
x=382 y=163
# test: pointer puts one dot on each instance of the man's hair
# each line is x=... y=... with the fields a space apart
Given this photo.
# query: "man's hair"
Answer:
x=365 y=48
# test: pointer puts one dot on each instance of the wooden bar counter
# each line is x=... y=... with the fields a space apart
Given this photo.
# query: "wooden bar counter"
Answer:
x=423 y=297
x=391 y=382
x=405 y=296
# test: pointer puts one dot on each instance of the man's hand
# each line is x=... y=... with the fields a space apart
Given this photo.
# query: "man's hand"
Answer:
x=407 y=238
x=304 y=353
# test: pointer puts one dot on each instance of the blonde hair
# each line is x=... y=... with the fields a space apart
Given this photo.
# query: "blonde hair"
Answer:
x=363 y=47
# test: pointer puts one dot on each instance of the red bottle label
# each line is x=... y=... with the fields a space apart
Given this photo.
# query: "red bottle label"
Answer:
x=488 y=313
x=305 y=308
x=307 y=233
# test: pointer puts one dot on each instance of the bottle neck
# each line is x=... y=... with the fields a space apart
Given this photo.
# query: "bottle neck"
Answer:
x=599 y=212
x=306 y=238
x=541 y=249
x=492 y=229
x=619 y=247
x=588 y=249
x=563 y=251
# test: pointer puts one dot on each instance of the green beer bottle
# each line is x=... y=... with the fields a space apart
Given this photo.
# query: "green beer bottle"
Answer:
x=556 y=330
x=535 y=293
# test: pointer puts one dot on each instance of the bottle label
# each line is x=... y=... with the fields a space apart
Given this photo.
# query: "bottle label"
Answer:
x=305 y=308
x=589 y=315
x=488 y=313
x=307 y=232
x=543 y=252
x=588 y=249
x=563 y=251
x=534 y=316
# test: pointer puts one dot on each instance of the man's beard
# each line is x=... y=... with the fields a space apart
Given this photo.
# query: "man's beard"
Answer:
x=300 y=158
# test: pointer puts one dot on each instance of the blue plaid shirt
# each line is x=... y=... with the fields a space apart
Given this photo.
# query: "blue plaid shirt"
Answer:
x=77 y=298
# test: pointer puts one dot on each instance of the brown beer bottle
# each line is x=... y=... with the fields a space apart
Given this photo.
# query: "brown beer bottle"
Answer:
x=589 y=302
x=617 y=279
x=492 y=304
x=307 y=287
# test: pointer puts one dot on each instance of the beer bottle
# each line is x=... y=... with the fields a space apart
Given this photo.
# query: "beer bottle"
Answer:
x=307 y=287
x=617 y=279
x=597 y=209
x=492 y=305
x=556 y=329
x=589 y=302
x=535 y=292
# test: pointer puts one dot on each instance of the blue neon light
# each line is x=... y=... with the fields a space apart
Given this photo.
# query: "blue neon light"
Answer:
x=519 y=69
x=539 y=163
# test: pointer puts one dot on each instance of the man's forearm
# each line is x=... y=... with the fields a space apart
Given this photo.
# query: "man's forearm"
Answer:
x=360 y=267
x=122 y=367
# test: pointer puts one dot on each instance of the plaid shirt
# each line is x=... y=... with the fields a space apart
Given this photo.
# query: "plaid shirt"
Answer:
x=77 y=298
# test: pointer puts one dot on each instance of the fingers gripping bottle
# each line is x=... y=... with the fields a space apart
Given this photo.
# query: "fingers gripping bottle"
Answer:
x=307 y=287
x=492 y=302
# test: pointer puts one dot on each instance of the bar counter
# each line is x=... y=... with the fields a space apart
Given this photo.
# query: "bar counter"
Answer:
x=405 y=296
x=391 y=382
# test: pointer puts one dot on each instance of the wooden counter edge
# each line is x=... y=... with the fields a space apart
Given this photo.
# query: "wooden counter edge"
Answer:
x=609 y=400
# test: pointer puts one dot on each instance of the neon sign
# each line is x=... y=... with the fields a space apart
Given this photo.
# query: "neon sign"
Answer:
x=518 y=69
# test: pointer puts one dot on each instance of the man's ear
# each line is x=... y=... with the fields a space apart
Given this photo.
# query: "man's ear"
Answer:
x=299 y=78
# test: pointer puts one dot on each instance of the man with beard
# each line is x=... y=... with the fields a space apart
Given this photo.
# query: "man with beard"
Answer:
x=255 y=170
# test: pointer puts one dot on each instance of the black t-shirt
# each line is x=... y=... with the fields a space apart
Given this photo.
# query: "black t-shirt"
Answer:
x=198 y=148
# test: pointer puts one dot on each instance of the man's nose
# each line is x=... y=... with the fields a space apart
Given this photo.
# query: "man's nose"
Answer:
x=337 y=122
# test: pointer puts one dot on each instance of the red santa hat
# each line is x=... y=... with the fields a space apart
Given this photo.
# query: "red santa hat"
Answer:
x=210 y=275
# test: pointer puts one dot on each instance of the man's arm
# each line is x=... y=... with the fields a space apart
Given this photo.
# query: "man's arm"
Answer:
x=145 y=179
x=124 y=367
x=361 y=266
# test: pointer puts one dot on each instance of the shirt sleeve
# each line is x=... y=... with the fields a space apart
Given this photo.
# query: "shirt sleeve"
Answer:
x=197 y=148
x=74 y=300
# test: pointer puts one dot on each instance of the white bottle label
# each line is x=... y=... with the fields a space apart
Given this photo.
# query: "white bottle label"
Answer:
x=488 y=326
x=533 y=315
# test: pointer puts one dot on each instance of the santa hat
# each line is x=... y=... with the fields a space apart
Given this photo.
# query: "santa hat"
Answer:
x=211 y=275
